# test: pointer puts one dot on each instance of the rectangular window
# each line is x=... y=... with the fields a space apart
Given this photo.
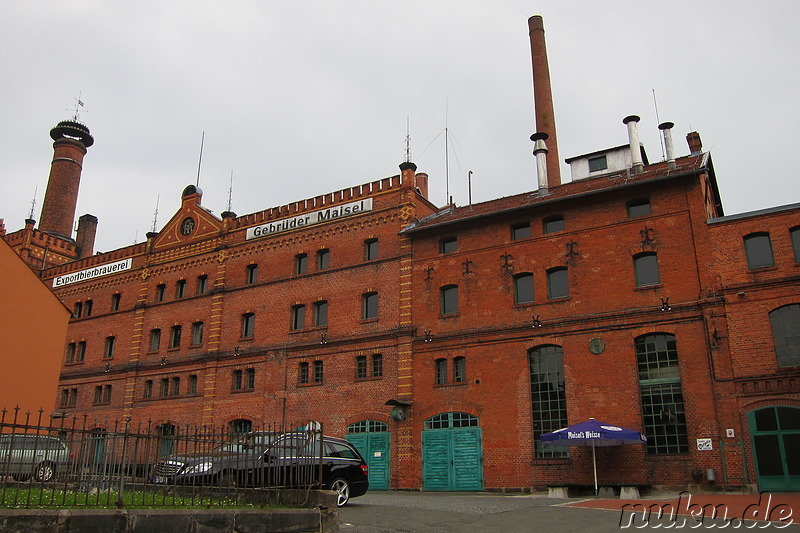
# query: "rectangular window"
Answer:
x=298 y=317
x=371 y=249
x=111 y=342
x=176 y=386
x=148 y=389
x=449 y=299
x=192 y=384
x=155 y=340
x=202 y=284
x=77 y=310
x=448 y=245
x=102 y=394
x=794 y=233
x=180 y=288
x=317 y=371
x=116 y=299
x=302 y=374
x=164 y=391
x=520 y=231
x=321 y=314
x=248 y=325
x=548 y=396
x=785 y=322
x=663 y=413
x=361 y=367
x=161 y=292
x=597 y=163
x=250 y=378
x=197 y=333
x=300 y=264
x=69 y=397
x=87 y=308
x=236 y=383
x=638 y=208
x=370 y=305
x=758 y=248
x=175 y=337
x=323 y=259
x=251 y=274
x=377 y=365
x=557 y=283
x=441 y=371
x=553 y=224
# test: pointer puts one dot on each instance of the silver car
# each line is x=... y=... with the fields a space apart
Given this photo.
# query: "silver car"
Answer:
x=40 y=456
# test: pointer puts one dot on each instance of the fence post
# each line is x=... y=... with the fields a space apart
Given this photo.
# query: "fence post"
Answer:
x=120 y=502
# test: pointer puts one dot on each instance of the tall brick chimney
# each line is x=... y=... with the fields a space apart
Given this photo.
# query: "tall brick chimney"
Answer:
x=61 y=198
x=543 y=98
x=87 y=229
x=695 y=145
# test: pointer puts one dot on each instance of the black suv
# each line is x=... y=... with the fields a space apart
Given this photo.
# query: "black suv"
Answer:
x=266 y=459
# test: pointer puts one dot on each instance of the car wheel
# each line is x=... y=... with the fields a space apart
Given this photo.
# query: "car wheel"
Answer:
x=227 y=479
x=44 y=472
x=342 y=488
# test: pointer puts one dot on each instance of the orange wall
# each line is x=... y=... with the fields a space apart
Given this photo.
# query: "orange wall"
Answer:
x=33 y=326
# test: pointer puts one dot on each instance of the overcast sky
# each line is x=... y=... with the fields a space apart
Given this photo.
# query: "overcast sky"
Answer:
x=298 y=99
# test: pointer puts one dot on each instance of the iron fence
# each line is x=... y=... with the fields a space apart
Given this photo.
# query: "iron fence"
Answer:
x=84 y=461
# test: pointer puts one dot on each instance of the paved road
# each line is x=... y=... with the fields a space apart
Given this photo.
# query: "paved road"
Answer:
x=436 y=512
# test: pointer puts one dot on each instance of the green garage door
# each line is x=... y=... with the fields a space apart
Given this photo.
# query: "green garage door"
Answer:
x=371 y=439
x=451 y=453
x=775 y=434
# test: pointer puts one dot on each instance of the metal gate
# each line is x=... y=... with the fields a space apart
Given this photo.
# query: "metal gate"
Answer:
x=452 y=458
x=371 y=439
x=775 y=434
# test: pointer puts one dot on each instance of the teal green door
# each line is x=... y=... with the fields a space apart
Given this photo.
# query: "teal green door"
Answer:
x=371 y=439
x=775 y=434
x=452 y=459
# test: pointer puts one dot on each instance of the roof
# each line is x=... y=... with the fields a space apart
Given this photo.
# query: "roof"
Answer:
x=451 y=214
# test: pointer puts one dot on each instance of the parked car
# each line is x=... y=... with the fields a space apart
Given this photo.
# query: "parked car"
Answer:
x=263 y=459
x=40 y=456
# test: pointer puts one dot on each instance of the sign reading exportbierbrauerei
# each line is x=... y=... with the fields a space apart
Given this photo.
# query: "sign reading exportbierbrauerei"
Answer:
x=94 y=272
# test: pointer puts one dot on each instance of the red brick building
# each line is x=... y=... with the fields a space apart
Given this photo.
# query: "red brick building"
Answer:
x=444 y=342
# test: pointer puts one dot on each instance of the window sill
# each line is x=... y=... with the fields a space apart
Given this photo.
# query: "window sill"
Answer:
x=648 y=287
x=449 y=315
x=523 y=305
x=195 y=346
x=557 y=299
x=313 y=384
x=369 y=378
x=151 y=352
x=239 y=391
x=368 y=320
x=243 y=339
x=73 y=363
x=175 y=349
x=448 y=385
x=766 y=268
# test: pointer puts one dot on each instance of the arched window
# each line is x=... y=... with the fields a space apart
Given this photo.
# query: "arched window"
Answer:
x=240 y=426
x=548 y=396
x=451 y=420
x=785 y=323
x=645 y=268
x=523 y=288
x=758 y=249
x=663 y=412
x=557 y=283
x=367 y=426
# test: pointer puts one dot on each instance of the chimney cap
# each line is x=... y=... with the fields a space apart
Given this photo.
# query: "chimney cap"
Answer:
x=631 y=118
x=666 y=126
x=539 y=136
x=70 y=129
x=406 y=165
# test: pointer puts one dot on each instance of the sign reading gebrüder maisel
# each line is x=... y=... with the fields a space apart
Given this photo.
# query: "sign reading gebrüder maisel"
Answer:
x=308 y=219
x=94 y=272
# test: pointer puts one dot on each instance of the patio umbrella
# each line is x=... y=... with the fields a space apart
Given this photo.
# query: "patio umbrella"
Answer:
x=593 y=433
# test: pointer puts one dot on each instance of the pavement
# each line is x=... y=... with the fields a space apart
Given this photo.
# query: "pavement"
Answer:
x=444 y=512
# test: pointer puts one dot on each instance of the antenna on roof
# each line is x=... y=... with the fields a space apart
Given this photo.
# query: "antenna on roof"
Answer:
x=230 y=192
x=155 y=215
x=446 y=154
x=78 y=104
x=200 y=161
x=408 y=140
x=136 y=236
x=658 y=121
x=33 y=202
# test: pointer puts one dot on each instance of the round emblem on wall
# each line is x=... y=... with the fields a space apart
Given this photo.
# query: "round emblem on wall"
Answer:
x=596 y=345
x=187 y=226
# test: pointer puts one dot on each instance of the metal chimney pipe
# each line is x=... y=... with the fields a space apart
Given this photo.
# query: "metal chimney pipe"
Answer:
x=666 y=130
x=543 y=96
x=540 y=151
x=633 y=139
